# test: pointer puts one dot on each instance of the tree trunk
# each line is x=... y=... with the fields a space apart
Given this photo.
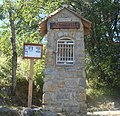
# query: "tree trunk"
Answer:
x=14 y=53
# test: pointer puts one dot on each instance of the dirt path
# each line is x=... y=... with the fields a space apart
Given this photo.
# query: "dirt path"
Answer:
x=105 y=113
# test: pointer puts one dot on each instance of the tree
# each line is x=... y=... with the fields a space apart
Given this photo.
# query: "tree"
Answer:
x=9 y=9
x=101 y=46
x=22 y=19
x=14 y=52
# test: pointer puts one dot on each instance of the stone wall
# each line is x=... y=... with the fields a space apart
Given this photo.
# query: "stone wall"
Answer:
x=64 y=86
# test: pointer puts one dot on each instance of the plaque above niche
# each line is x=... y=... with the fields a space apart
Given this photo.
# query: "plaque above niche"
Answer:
x=64 y=25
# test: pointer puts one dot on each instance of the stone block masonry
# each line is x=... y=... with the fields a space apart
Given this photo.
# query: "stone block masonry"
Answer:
x=64 y=91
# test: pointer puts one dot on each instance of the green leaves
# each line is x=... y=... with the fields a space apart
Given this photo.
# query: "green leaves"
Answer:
x=102 y=64
x=102 y=48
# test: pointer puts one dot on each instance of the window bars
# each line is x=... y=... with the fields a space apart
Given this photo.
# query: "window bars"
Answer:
x=65 y=52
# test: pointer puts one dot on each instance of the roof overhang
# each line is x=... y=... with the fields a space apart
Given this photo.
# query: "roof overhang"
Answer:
x=43 y=24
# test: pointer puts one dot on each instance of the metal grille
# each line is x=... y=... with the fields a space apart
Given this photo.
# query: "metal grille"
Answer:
x=65 y=52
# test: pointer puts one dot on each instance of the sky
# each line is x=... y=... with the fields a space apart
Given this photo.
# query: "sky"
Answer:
x=1 y=1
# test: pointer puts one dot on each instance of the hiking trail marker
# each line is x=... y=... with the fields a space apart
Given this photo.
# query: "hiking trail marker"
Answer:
x=31 y=51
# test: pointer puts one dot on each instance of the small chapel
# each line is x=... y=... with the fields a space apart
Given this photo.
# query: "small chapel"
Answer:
x=65 y=80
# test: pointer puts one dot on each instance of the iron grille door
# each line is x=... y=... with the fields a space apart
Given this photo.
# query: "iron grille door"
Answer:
x=65 y=52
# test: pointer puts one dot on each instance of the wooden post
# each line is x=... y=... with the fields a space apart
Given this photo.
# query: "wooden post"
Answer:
x=30 y=83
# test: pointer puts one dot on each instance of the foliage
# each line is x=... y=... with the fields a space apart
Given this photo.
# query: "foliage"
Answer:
x=25 y=15
x=102 y=46
x=39 y=73
x=5 y=71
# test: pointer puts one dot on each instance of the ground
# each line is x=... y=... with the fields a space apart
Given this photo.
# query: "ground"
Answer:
x=103 y=103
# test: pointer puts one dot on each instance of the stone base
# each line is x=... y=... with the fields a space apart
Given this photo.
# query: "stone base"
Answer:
x=68 y=109
x=65 y=94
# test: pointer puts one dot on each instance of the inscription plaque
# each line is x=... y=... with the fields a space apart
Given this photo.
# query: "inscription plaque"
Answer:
x=64 y=25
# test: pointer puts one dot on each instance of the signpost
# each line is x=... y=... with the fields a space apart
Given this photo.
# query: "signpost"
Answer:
x=31 y=51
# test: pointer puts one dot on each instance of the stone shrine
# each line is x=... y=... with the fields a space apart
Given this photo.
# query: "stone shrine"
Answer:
x=65 y=82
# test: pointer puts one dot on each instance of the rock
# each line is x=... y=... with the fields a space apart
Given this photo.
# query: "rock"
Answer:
x=27 y=112
x=37 y=112
x=8 y=112
x=48 y=113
